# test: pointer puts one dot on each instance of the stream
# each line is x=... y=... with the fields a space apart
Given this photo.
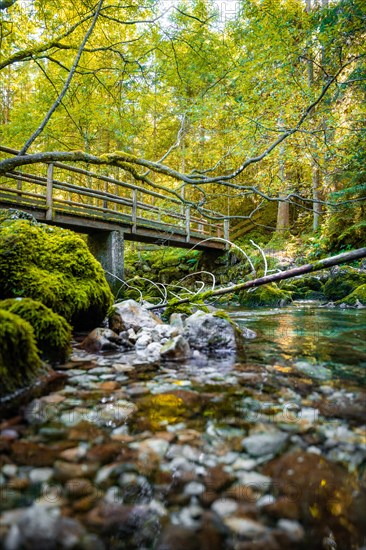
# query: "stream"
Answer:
x=265 y=451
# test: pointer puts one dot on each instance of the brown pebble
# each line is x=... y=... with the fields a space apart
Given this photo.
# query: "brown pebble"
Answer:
x=71 y=455
x=86 y=503
x=18 y=483
x=78 y=487
x=109 y=385
x=67 y=470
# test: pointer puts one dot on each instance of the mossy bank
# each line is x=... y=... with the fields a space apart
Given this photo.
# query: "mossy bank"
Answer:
x=49 y=281
x=54 y=266
x=19 y=359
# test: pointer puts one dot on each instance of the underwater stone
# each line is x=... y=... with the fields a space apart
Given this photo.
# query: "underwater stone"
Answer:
x=265 y=443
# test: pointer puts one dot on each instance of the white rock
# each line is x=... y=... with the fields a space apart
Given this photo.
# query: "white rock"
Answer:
x=194 y=488
x=224 y=507
x=265 y=500
x=185 y=451
x=104 y=473
x=264 y=444
x=158 y=507
x=158 y=445
x=189 y=516
x=143 y=341
x=181 y=464
x=151 y=353
x=244 y=464
x=40 y=475
x=129 y=314
x=292 y=528
x=9 y=470
x=163 y=331
x=257 y=482
x=245 y=527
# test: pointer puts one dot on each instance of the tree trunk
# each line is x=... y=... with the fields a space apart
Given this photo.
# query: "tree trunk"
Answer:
x=283 y=214
x=345 y=257
x=315 y=187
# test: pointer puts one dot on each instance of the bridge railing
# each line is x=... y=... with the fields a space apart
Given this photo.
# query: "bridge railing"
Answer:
x=62 y=188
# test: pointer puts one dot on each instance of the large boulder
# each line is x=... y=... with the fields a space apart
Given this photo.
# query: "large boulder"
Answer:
x=343 y=281
x=52 y=332
x=357 y=298
x=131 y=315
x=212 y=332
x=19 y=359
x=54 y=266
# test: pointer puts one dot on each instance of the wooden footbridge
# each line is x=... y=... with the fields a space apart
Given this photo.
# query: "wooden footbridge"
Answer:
x=108 y=210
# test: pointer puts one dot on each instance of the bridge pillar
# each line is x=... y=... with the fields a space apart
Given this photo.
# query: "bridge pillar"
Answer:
x=108 y=247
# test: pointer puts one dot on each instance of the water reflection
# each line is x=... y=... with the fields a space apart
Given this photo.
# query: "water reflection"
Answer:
x=318 y=335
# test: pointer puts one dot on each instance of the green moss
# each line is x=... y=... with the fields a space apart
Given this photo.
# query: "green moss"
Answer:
x=357 y=296
x=309 y=288
x=343 y=282
x=19 y=360
x=54 y=266
x=266 y=295
x=52 y=332
x=187 y=309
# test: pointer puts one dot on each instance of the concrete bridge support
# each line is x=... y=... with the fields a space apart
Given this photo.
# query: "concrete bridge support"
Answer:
x=108 y=247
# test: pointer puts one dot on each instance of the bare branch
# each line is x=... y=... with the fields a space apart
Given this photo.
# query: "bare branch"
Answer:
x=66 y=85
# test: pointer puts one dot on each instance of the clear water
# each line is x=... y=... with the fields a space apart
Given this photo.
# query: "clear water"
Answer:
x=202 y=409
x=333 y=338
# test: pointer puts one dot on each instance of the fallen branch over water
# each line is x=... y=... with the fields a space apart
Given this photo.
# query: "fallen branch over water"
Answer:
x=345 y=257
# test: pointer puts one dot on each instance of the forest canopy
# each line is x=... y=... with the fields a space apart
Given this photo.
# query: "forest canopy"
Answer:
x=257 y=107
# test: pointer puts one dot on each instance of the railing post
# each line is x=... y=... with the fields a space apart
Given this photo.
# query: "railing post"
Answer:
x=49 y=192
x=19 y=189
x=226 y=231
x=134 y=211
x=188 y=223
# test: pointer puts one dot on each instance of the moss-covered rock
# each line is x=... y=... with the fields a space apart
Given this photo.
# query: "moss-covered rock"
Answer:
x=19 y=359
x=304 y=288
x=342 y=282
x=52 y=332
x=54 y=266
x=184 y=309
x=266 y=295
x=357 y=297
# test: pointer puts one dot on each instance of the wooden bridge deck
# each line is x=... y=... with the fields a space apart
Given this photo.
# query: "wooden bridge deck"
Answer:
x=87 y=202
